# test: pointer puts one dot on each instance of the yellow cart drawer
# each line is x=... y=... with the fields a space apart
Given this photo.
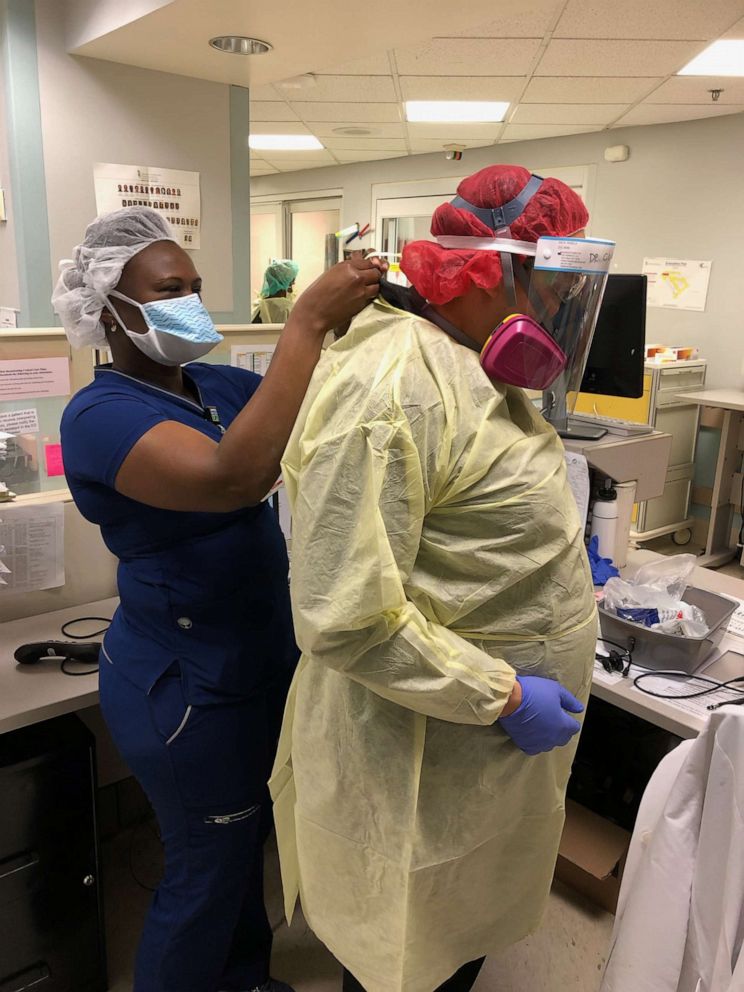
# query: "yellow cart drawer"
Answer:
x=635 y=410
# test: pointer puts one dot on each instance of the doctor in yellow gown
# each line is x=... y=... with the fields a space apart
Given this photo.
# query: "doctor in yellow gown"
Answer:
x=437 y=551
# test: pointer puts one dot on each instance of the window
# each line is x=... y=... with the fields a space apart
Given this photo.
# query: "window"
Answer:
x=300 y=229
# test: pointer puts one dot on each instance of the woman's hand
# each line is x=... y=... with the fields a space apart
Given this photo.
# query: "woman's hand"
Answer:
x=175 y=467
x=338 y=295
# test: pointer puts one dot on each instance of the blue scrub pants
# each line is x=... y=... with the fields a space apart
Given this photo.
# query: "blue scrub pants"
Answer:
x=204 y=769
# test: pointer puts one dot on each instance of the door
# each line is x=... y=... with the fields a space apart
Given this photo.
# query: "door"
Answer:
x=400 y=220
x=266 y=237
x=310 y=224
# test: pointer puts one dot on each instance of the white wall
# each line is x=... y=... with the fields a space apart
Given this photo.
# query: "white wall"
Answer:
x=680 y=194
x=86 y=20
x=9 y=295
x=95 y=111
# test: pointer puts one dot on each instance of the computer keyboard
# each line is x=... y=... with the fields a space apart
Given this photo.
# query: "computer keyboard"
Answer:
x=613 y=425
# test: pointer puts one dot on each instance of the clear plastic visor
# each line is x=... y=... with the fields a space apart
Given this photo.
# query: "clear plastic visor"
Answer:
x=559 y=282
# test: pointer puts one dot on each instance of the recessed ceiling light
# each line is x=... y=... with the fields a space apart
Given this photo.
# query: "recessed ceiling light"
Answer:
x=235 y=44
x=284 y=142
x=722 y=58
x=456 y=111
x=353 y=132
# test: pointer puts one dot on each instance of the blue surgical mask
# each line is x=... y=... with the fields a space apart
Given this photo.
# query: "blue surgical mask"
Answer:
x=179 y=330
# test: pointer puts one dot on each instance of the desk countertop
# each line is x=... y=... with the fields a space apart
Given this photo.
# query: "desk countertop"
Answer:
x=32 y=693
x=723 y=399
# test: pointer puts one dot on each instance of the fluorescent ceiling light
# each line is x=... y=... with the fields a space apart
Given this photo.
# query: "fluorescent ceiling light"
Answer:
x=722 y=58
x=285 y=142
x=456 y=111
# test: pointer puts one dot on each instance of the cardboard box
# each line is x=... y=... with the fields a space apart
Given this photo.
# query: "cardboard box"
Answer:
x=591 y=855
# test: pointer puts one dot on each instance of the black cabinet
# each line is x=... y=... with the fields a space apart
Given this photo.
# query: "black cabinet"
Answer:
x=51 y=919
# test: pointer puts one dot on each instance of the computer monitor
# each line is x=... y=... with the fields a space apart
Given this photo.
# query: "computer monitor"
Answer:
x=617 y=354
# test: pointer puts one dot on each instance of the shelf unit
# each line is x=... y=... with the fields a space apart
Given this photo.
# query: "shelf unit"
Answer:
x=661 y=406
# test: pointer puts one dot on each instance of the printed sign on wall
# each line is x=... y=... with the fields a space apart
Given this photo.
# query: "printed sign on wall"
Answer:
x=172 y=192
x=677 y=284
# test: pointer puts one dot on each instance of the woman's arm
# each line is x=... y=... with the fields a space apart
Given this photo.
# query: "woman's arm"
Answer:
x=177 y=468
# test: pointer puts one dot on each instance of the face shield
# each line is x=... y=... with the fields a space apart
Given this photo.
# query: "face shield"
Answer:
x=556 y=288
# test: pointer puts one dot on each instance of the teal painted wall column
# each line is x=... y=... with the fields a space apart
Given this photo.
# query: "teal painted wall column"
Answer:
x=240 y=193
x=27 y=180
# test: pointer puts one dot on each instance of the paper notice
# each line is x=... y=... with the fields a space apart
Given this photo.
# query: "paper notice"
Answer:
x=53 y=458
x=736 y=624
x=20 y=422
x=33 y=538
x=674 y=688
x=32 y=378
x=253 y=357
x=677 y=284
x=285 y=514
x=279 y=501
x=578 y=480
x=670 y=687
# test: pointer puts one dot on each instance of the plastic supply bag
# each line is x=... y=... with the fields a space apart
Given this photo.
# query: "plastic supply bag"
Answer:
x=653 y=598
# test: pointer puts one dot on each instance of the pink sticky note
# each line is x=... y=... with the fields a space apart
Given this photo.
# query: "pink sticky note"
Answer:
x=53 y=456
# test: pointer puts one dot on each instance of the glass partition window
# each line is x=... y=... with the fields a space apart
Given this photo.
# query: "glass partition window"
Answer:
x=308 y=242
x=266 y=243
x=296 y=229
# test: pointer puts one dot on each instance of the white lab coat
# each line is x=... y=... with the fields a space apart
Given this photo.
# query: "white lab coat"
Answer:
x=680 y=919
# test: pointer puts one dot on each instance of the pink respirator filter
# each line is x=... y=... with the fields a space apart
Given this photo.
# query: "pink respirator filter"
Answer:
x=522 y=353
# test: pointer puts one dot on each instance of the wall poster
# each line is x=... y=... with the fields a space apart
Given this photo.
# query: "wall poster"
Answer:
x=172 y=192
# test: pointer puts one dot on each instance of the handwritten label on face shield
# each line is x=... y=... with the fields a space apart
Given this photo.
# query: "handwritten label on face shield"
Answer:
x=574 y=255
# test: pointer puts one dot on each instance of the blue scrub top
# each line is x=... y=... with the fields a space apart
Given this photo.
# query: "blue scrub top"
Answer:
x=209 y=591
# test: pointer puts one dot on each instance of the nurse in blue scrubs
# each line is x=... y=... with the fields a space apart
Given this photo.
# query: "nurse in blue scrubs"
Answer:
x=173 y=463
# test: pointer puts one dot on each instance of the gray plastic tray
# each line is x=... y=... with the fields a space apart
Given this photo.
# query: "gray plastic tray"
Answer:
x=659 y=651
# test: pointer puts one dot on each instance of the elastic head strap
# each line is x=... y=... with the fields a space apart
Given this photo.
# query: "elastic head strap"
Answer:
x=428 y=312
x=498 y=218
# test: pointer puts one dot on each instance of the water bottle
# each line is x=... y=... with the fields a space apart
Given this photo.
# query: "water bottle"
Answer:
x=604 y=520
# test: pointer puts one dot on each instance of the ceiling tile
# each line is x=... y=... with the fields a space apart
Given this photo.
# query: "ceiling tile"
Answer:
x=597 y=89
x=278 y=127
x=262 y=169
x=300 y=166
x=376 y=130
x=368 y=113
x=454 y=131
x=437 y=144
x=526 y=132
x=694 y=89
x=668 y=113
x=567 y=113
x=374 y=65
x=365 y=144
x=528 y=19
x=737 y=31
x=279 y=159
x=272 y=112
x=469 y=57
x=589 y=57
x=349 y=155
x=662 y=19
x=461 y=87
x=351 y=88
x=263 y=93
